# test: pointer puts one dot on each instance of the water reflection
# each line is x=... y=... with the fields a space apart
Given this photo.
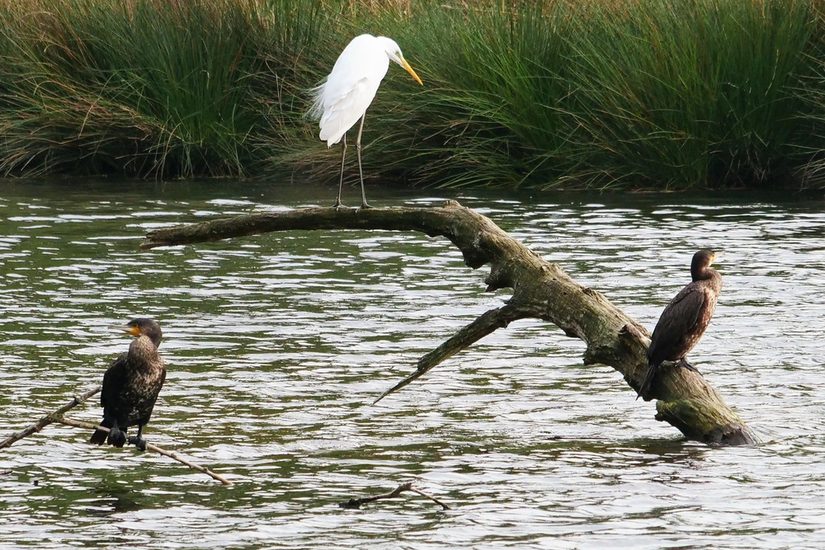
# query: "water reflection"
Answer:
x=277 y=344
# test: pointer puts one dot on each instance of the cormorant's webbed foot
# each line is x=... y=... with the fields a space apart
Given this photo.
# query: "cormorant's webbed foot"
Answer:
x=138 y=442
x=684 y=364
x=117 y=437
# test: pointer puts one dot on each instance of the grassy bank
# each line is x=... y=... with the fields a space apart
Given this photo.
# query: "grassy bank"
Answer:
x=567 y=93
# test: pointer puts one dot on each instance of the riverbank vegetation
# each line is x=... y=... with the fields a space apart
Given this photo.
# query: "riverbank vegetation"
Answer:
x=572 y=93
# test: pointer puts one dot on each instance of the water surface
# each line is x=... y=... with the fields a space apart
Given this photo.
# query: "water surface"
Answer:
x=277 y=344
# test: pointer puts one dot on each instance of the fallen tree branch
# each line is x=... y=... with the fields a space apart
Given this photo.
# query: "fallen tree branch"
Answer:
x=356 y=503
x=542 y=288
x=49 y=418
x=149 y=447
x=58 y=417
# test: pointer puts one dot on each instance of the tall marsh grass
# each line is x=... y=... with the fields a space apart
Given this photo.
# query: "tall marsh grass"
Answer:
x=599 y=93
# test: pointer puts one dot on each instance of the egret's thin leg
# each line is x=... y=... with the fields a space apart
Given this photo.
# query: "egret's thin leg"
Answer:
x=364 y=203
x=341 y=183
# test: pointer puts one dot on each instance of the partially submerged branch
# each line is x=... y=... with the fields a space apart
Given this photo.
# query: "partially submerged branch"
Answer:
x=58 y=417
x=541 y=289
x=49 y=418
x=356 y=503
x=149 y=447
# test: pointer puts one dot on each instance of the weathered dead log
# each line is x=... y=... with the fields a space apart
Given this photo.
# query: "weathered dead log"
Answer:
x=541 y=289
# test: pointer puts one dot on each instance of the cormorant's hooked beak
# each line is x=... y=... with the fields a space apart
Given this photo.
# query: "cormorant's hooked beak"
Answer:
x=410 y=70
x=131 y=330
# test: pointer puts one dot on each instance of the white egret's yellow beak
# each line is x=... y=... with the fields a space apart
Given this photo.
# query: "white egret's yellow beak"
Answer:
x=410 y=70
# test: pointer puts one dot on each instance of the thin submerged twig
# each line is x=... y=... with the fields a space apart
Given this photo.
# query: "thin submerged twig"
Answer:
x=356 y=503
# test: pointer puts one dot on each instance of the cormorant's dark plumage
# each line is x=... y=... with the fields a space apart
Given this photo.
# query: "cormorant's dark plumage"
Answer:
x=131 y=385
x=685 y=318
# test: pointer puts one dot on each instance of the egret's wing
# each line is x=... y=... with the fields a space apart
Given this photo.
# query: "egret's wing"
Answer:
x=350 y=87
x=342 y=112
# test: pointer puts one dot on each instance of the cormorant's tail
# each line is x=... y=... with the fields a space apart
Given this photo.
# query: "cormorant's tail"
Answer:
x=99 y=437
x=647 y=383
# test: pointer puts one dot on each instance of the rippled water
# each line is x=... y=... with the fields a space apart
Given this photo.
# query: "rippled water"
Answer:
x=277 y=344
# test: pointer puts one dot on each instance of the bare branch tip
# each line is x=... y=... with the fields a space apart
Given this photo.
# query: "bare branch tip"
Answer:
x=356 y=503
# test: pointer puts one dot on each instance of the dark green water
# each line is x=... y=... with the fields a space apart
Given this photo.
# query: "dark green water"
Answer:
x=277 y=344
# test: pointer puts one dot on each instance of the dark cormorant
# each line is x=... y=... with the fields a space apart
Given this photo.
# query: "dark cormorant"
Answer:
x=131 y=386
x=685 y=318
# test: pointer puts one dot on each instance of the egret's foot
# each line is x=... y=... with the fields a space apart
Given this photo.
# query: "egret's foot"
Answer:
x=365 y=205
x=138 y=442
x=684 y=364
x=339 y=205
x=116 y=438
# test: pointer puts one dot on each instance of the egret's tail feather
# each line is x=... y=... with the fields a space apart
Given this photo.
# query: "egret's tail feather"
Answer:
x=316 y=107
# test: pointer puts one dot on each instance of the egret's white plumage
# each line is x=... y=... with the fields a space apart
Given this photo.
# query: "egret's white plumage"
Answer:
x=349 y=89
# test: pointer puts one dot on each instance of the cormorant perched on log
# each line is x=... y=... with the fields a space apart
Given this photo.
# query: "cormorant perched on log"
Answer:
x=684 y=320
x=131 y=386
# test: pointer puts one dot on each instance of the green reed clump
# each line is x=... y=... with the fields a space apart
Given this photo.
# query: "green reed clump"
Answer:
x=492 y=108
x=811 y=90
x=146 y=87
x=594 y=93
x=699 y=91
x=645 y=93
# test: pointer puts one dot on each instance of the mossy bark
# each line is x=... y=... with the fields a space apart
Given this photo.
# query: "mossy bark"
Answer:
x=541 y=289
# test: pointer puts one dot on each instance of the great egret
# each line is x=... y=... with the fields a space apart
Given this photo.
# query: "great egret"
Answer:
x=349 y=89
